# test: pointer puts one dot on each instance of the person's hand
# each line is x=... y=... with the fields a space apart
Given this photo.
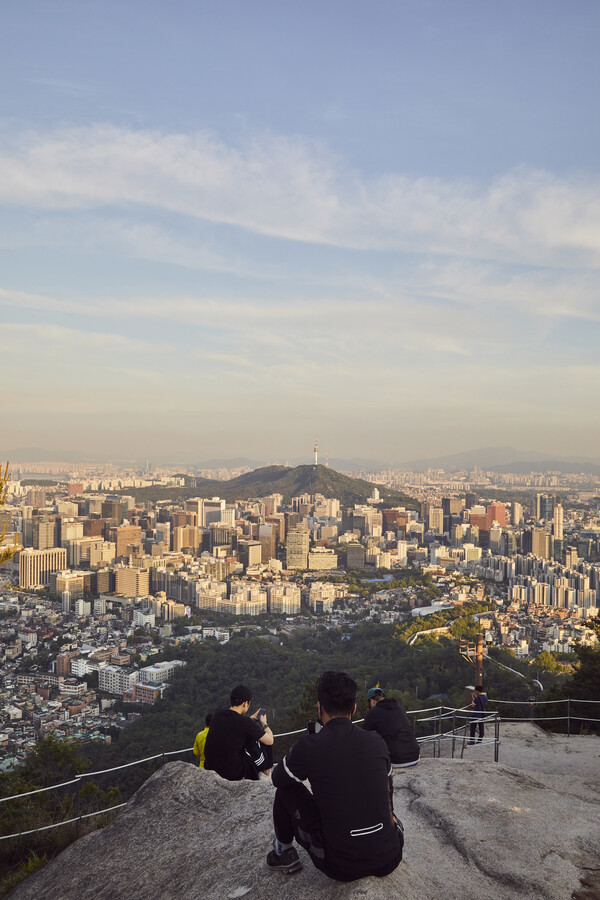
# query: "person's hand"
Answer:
x=255 y=715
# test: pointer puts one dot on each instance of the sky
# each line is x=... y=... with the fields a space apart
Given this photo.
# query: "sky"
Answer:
x=227 y=228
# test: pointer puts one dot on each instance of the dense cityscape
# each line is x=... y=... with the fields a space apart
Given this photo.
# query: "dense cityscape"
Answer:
x=102 y=582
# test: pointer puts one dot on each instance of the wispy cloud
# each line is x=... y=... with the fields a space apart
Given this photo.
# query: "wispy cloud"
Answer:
x=294 y=189
x=54 y=338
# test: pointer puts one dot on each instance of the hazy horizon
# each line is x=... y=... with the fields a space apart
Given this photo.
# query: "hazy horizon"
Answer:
x=229 y=228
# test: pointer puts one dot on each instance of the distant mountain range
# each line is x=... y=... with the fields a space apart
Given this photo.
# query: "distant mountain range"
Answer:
x=497 y=459
x=552 y=465
x=507 y=459
x=39 y=454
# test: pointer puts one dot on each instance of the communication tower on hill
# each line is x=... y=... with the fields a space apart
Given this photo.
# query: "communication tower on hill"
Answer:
x=316 y=453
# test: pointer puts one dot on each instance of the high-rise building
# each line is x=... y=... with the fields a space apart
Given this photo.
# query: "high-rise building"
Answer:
x=36 y=497
x=495 y=537
x=558 y=522
x=123 y=536
x=496 y=512
x=213 y=511
x=111 y=509
x=540 y=543
x=296 y=548
x=436 y=519
x=571 y=557
x=268 y=542
x=196 y=506
x=284 y=598
x=187 y=537
x=544 y=506
x=36 y=566
x=44 y=533
x=70 y=530
x=509 y=545
x=94 y=528
x=130 y=582
x=517 y=513
x=320 y=558
x=355 y=556
x=249 y=552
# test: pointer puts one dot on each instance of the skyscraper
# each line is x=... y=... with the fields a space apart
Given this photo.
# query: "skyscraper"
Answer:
x=296 y=548
x=558 y=522
x=436 y=519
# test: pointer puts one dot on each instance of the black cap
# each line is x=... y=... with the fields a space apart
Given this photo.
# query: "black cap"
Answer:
x=240 y=694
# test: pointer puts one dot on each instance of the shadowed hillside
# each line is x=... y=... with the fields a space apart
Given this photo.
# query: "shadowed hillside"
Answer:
x=291 y=482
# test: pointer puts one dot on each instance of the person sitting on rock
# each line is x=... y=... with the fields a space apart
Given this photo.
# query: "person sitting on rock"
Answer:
x=200 y=741
x=347 y=824
x=388 y=719
x=237 y=745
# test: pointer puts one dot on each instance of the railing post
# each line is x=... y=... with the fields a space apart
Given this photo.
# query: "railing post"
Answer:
x=77 y=794
x=496 y=737
x=568 y=717
x=453 y=732
x=440 y=733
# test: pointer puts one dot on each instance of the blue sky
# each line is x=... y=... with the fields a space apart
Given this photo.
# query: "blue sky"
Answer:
x=228 y=227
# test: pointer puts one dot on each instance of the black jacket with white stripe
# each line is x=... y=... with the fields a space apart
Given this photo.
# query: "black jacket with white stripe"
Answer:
x=349 y=774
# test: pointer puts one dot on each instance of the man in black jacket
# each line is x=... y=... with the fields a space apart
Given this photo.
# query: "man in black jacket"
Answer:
x=347 y=824
x=388 y=719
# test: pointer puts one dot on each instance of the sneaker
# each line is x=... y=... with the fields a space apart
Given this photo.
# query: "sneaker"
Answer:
x=287 y=860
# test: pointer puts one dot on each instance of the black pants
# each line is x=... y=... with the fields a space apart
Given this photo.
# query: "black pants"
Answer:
x=258 y=758
x=477 y=724
x=296 y=815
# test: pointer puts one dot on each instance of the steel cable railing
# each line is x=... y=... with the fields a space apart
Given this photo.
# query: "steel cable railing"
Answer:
x=444 y=713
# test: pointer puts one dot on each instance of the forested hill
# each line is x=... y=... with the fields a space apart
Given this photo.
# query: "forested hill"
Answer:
x=279 y=676
x=291 y=482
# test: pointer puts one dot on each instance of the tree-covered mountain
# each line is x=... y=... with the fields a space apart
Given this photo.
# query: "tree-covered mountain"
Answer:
x=290 y=482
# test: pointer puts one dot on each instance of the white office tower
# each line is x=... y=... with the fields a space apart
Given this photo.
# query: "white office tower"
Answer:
x=558 y=522
x=228 y=516
x=517 y=513
x=83 y=607
x=100 y=606
x=66 y=602
x=213 y=511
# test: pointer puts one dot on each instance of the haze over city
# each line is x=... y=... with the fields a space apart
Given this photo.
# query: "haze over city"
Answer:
x=230 y=227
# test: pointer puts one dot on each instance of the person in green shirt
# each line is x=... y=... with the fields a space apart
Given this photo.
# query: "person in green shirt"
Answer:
x=201 y=740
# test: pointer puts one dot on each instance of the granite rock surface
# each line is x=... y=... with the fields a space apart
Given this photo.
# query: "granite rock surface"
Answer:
x=473 y=829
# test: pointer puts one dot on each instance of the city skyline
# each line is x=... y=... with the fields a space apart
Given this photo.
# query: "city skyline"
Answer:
x=226 y=230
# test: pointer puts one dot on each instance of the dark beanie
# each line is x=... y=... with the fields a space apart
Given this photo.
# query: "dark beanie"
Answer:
x=240 y=694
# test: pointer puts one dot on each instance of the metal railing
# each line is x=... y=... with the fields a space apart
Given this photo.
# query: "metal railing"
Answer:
x=441 y=736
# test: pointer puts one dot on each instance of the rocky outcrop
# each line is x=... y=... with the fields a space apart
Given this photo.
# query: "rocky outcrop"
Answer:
x=473 y=830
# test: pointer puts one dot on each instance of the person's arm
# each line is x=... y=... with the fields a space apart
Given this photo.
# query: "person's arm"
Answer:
x=196 y=747
x=291 y=769
x=369 y=721
x=267 y=736
x=257 y=731
x=267 y=739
